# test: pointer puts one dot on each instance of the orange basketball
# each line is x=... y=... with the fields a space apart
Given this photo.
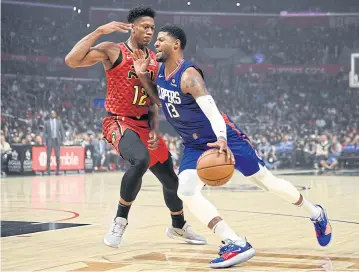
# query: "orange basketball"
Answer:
x=214 y=168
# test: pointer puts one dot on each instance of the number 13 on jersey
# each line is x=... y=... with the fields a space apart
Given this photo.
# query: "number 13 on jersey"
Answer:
x=171 y=109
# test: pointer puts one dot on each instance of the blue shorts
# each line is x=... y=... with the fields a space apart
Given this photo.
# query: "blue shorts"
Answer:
x=246 y=157
x=332 y=159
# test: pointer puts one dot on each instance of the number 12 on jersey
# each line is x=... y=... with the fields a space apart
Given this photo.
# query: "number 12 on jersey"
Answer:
x=142 y=100
x=172 y=110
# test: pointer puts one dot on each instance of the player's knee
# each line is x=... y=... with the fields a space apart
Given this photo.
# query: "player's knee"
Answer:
x=142 y=161
x=171 y=183
x=189 y=190
x=184 y=187
x=187 y=195
x=166 y=174
x=184 y=193
x=189 y=184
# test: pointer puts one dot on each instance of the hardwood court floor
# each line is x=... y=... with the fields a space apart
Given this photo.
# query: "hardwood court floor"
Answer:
x=58 y=223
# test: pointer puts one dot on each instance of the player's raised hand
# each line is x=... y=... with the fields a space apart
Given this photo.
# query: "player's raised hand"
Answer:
x=115 y=27
x=222 y=146
x=139 y=61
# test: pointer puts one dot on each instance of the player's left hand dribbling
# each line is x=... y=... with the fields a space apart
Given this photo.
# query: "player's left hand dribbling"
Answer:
x=222 y=146
x=154 y=140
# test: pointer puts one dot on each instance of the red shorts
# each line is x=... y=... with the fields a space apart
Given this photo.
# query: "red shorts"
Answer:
x=114 y=128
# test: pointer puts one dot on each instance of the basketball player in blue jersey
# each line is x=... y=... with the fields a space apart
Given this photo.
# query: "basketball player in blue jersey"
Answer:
x=191 y=110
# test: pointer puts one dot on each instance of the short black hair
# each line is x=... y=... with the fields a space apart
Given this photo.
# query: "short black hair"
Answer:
x=176 y=32
x=140 y=11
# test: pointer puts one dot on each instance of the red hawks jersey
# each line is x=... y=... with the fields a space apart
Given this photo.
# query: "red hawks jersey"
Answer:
x=126 y=95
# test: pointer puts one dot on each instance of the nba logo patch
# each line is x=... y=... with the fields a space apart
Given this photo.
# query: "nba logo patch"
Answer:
x=173 y=81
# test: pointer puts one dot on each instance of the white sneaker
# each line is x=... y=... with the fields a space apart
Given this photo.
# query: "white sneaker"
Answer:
x=114 y=235
x=186 y=234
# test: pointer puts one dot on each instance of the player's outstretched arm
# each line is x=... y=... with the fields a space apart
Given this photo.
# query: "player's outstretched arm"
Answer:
x=150 y=88
x=192 y=83
x=83 y=54
x=153 y=119
x=141 y=64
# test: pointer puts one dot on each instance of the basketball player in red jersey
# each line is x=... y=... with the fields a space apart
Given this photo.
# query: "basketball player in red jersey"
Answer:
x=132 y=122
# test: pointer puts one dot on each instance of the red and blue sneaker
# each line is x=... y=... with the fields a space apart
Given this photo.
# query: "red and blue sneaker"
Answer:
x=231 y=253
x=323 y=229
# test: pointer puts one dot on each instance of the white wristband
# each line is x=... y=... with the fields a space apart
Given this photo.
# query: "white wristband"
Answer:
x=209 y=108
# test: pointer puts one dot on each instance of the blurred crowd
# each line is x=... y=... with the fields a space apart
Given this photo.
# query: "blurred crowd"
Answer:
x=278 y=41
x=307 y=117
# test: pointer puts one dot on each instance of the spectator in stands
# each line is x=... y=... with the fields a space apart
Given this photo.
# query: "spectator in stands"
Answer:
x=174 y=153
x=4 y=146
x=94 y=142
x=356 y=140
x=267 y=152
x=99 y=150
x=102 y=149
x=114 y=160
x=322 y=152
x=4 y=150
x=310 y=148
x=38 y=140
x=334 y=153
x=264 y=148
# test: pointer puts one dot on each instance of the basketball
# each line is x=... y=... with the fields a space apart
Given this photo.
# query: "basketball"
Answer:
x=214 y=168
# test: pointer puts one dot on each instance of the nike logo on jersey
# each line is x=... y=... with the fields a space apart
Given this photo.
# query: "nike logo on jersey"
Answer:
x=160 y=76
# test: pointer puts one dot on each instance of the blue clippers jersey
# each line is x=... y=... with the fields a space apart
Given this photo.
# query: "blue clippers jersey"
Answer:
x=182 y=110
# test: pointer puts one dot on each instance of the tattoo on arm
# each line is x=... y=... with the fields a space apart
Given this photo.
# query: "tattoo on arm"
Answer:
x=193 y=83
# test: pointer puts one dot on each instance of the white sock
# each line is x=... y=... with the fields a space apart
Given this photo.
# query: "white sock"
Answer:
x=225 y=232
x=310 y=208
